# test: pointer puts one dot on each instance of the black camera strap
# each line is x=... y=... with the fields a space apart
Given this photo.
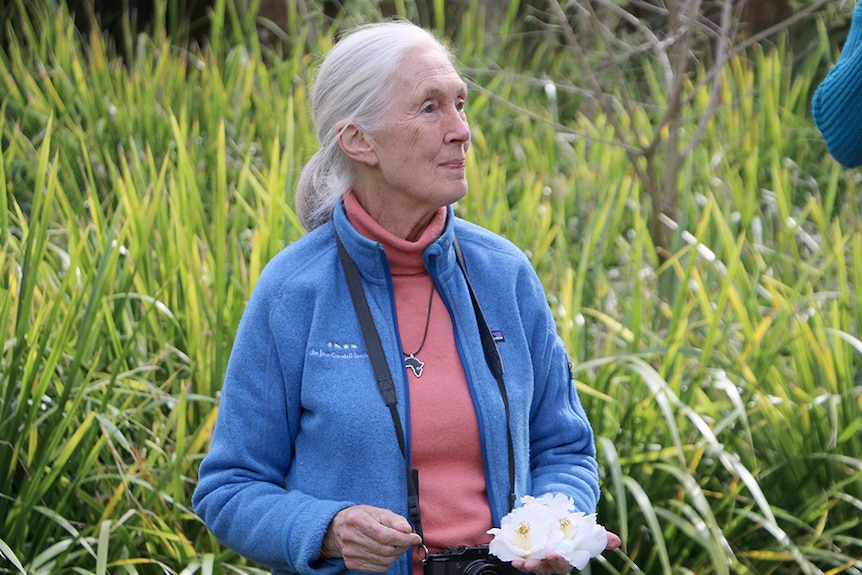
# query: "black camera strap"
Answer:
x=386 y=385
x=495 y=364
x=381 y=373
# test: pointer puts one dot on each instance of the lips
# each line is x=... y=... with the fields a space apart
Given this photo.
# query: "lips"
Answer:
x=454 y=164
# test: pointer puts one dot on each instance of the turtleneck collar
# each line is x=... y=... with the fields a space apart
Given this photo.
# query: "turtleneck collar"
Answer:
x=405 y=257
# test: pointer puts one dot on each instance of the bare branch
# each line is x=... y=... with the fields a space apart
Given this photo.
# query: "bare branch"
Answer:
x=737 y=49
x=607 y=43
x=602 y=99
x=777 y=27
x=657 y=157
x=478 y=87
x=720 y=59
x=655 y=45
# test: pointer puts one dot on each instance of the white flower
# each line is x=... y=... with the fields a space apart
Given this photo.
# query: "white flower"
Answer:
x=583 y=539
x=557 y=503
x=548 y=524
x=527 y=532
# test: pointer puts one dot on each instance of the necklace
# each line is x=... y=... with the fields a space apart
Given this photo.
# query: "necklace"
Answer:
x=410 y=360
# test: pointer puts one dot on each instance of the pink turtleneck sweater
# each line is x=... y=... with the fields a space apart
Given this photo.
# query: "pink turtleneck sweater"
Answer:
x=444 y=432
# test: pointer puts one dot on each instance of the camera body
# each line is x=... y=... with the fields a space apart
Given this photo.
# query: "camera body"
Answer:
x=467 y=561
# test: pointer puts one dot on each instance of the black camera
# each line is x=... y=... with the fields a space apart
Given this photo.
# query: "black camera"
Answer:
x=467 y=561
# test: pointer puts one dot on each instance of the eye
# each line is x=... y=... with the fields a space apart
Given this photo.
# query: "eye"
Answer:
x=428 y=108
x=460 y=105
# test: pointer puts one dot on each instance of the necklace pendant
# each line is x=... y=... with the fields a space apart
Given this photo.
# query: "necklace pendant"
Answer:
x=414 y=364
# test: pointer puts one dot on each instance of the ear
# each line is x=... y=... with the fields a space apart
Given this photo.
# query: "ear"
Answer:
x=357 y=144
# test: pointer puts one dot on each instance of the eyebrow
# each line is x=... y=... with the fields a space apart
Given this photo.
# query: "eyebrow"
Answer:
x=438 y=93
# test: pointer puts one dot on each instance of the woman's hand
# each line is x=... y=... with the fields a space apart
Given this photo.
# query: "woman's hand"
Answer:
x=554 y=563
x=368 y=538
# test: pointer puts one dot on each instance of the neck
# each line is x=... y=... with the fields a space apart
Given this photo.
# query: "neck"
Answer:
x=402 y=227
x=383 y=230
x=402 y=220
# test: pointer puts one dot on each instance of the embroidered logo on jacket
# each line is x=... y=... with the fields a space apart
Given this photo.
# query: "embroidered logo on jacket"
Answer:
x=339 y=351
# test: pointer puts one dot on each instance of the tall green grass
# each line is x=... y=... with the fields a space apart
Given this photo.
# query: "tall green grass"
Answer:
x=143 y=198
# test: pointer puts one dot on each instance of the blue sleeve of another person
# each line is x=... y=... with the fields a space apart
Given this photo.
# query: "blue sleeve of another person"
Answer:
x=837 y=103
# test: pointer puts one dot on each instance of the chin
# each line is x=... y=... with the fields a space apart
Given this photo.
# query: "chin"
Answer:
x=459 y=193
x=448 y=195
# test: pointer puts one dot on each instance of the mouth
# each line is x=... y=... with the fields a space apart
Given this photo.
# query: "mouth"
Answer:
x=454 y=164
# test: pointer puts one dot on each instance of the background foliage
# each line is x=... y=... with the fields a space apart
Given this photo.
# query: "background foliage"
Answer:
x=142 y=195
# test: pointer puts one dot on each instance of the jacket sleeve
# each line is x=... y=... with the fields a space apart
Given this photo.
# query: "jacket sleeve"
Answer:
x=835 y=105
x=562 y=444
x=241 y=493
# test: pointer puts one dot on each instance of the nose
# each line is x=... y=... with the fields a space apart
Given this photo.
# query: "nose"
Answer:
x=458 y=128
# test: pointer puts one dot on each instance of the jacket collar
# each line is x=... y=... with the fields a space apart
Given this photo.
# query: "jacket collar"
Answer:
x=371 y=259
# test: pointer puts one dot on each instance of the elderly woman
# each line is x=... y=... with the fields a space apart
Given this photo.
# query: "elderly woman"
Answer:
x=327 y=409
x=836 y=103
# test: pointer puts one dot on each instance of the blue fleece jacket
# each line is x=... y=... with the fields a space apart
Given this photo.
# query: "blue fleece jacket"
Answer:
x=302 y=431
x=837 y=103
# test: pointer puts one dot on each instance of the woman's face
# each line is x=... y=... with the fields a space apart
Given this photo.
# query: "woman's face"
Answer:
x=420 y=149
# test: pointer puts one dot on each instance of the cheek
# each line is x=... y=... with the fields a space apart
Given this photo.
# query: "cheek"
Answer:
x=410 y=141
x=410 y=146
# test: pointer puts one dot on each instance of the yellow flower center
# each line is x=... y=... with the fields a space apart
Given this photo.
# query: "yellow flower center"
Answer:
x=567 y=526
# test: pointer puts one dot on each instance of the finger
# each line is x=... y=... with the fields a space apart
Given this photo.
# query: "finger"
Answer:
x=558 y=565
x=393 y=530
x=527 y=566
x=351 y=534
x=372 y=558
x=551 y=564
x=372 y=538
x=394 y=521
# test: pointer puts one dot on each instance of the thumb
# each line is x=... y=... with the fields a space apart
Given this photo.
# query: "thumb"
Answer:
x=395 y=521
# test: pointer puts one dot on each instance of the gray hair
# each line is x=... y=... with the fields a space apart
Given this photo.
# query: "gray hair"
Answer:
x=353 y=86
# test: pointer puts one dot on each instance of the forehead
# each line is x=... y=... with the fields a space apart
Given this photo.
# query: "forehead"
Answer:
x=426 y=70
